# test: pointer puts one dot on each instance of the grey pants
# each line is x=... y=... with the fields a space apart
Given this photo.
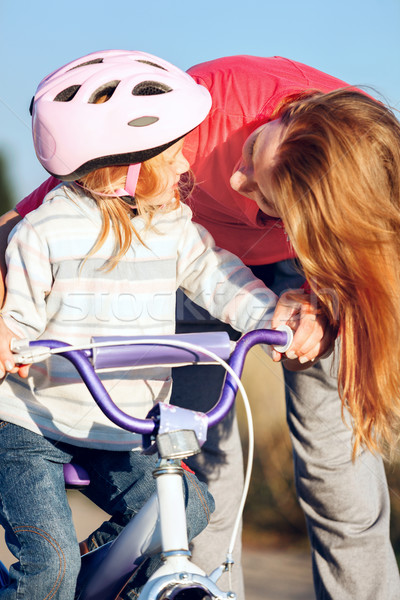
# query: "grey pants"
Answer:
x=346 y=504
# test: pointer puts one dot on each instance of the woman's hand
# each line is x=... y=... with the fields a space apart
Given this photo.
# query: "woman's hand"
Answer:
x=313 y=337
x=7 y=362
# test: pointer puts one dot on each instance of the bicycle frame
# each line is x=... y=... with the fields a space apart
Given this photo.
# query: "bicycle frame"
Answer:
x=106 y=570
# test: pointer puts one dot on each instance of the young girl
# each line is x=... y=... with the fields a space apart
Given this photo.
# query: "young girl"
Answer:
x=329 y=166
x=104 y=255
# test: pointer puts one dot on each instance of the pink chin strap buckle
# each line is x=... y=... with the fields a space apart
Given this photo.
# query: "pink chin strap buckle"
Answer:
x=131 y=181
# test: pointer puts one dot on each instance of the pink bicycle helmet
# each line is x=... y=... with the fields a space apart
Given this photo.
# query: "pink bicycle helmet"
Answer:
x=151 y=104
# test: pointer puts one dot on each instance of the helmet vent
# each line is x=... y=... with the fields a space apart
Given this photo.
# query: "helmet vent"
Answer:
x=95 y=61
x=152 y=64
x=67 y=94
x=143 y=121
x=150 y=88
x=104 y=92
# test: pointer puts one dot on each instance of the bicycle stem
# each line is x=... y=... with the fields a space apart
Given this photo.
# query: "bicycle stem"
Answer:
x=174 y=540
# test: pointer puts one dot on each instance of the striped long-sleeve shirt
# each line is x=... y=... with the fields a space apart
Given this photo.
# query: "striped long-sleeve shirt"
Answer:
x=55 y=291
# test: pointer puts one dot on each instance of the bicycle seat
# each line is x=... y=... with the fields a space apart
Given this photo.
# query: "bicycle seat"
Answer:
x=75 y=476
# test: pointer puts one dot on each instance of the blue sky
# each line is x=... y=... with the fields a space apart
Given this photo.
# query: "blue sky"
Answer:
x=357 y=41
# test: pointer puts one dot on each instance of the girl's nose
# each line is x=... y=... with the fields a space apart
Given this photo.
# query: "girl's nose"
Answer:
x=183 y=165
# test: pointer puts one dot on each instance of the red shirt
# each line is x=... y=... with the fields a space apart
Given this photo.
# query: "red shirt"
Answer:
x=245 y=91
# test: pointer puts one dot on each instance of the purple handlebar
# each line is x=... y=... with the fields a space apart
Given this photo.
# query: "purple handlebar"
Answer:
x=269 y=337
x=80 y=359
x=150 y=353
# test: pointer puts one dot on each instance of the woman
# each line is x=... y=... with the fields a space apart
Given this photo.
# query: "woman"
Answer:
x=329 y=166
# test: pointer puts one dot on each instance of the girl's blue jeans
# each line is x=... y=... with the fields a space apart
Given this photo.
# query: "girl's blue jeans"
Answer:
x=37 y=519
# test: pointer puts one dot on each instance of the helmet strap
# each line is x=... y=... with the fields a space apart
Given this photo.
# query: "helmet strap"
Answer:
x=131 y=181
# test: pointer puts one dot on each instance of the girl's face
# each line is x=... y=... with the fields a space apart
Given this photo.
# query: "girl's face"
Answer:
x=251 y=175
x=174 y=165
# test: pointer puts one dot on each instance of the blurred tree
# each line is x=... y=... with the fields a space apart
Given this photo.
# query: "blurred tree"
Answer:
x=7 y=196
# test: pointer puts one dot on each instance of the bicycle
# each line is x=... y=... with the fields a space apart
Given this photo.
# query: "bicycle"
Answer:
x=106 y=570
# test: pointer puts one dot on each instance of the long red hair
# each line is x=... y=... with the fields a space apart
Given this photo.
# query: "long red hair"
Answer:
x=335 y=181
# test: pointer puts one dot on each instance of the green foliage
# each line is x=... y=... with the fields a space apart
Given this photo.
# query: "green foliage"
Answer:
x=7 y=197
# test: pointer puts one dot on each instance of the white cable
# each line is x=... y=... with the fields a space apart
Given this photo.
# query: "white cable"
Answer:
x=228 y=368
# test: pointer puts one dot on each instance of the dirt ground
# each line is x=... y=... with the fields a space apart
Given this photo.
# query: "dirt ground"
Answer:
x=277 y=575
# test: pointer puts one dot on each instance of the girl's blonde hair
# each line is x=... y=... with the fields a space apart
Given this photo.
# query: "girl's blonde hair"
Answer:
x=335 y=180
x=116 y=213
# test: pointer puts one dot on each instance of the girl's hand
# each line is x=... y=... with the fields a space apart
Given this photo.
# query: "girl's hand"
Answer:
x=7 y=362
x=313 y=336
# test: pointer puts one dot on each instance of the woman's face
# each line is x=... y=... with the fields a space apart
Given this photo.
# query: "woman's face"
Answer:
x=251 y=177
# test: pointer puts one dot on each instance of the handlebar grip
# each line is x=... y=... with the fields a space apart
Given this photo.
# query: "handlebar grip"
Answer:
x=149 y=354
x=289 y=332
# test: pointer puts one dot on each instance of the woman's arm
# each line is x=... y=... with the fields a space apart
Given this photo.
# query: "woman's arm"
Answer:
x=220 y=282
x=7 y=223
x=28 y=278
